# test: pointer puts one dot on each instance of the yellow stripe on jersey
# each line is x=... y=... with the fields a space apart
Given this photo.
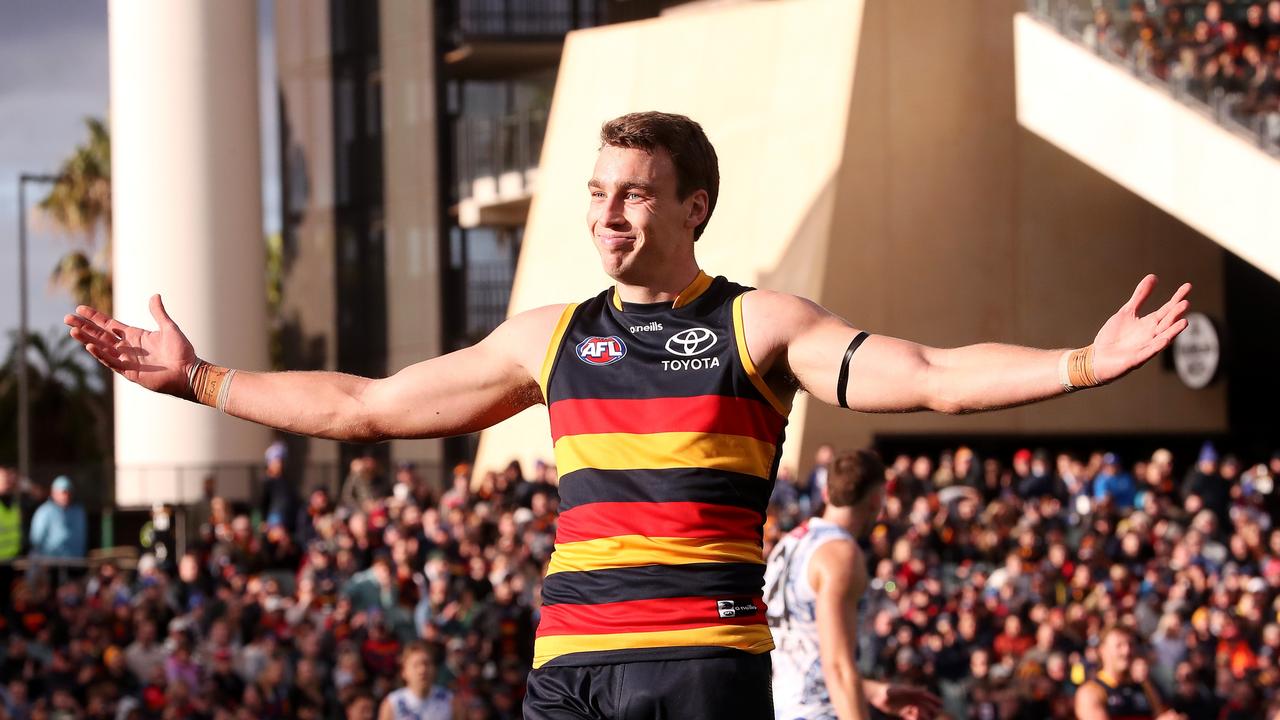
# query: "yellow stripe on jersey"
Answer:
x=637 y=550
x=553 y=348
x=754 y=639
x=750 y=367
x=693 y=291
x=657 y=451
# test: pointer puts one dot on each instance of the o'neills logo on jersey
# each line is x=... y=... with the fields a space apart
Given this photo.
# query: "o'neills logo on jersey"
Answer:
x=647 y=327
x=597 y=350
x=736 y=608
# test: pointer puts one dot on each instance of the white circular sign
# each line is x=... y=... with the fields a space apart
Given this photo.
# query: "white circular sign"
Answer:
x=1196 y=352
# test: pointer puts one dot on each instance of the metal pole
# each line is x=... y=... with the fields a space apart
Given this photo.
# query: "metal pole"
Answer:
x=24 y=405
x=24 y=428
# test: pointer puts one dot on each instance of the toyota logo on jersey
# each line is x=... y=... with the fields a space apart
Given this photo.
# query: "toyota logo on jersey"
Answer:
x=597 y=350
x=693 y=341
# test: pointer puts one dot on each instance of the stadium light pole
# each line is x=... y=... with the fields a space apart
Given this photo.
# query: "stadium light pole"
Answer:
x=24 y=391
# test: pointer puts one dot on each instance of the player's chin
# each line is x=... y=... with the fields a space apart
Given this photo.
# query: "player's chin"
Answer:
x=615 y=264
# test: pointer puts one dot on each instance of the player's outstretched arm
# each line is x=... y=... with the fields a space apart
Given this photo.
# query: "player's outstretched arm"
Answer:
x=461 y=392
x=886 y=374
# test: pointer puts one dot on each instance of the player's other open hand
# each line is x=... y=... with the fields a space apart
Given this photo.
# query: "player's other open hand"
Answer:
x=908 y=702
x=1129 y=339
x=155 y=359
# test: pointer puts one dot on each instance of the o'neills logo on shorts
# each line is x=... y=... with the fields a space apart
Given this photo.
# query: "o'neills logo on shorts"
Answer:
x=736 y=608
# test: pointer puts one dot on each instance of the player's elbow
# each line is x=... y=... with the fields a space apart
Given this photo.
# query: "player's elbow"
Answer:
x=840 y=671
x=947 y=406
x=941 y=397
x=364 y=419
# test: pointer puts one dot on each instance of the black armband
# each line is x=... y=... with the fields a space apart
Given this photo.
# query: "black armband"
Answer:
x=842 y=385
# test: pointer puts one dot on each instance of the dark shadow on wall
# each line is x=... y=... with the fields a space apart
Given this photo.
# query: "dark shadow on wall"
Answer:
x=298 y=350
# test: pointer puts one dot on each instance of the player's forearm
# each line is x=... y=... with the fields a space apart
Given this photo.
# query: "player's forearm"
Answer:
x=847 y=690
x=320 y=404
x=991 y=376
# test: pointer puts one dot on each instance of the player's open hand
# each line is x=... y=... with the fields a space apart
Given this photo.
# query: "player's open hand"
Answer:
x=155 y=359
x=1130 y=339
x=908 y=702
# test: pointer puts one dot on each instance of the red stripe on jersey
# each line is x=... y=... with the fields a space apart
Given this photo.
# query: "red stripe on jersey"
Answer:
x=701 y=413
x=648 y=615
x=659 y=520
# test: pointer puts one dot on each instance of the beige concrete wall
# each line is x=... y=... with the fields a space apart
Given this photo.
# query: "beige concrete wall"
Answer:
x=958 y=226
x=410 y=162
x=1146 y=140
x=872 y=160
x=306 y=95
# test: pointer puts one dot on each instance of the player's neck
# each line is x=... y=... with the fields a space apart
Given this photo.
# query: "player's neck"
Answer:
x=1114 y=679
x=665 y=288
x=844 y=517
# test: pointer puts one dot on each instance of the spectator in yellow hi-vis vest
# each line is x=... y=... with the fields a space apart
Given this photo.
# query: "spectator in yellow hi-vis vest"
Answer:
x=10 y=526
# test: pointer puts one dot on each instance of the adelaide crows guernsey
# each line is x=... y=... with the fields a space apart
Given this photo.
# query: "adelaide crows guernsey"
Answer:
x=1125 y=701
x=667 y=441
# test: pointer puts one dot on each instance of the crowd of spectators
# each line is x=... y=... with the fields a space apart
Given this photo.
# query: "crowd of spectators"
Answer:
x=305 y=614
x=990 y=581
x=1206 y=48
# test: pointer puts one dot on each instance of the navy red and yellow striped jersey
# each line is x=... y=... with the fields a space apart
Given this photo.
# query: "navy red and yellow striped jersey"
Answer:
x=667 y=441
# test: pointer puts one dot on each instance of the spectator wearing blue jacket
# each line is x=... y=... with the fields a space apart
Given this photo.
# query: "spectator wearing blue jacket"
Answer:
x=1115 y=483
x=58 y=528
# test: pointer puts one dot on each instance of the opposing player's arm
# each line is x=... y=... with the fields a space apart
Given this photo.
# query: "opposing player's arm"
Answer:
x=838 y=576
x=1091 y=702
x=886 y=374
x=460 y=392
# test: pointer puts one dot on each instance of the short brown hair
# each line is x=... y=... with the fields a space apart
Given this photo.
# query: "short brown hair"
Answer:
x=696 y=165
x=1120 y=629
x=853 y=475
x=417 y=646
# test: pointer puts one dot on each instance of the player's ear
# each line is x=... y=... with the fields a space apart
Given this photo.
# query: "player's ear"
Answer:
x=698 y=202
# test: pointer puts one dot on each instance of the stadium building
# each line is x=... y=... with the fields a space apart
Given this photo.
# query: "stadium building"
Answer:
x=944 y=172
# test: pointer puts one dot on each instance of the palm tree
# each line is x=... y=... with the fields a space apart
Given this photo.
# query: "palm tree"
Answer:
x=74 y=416
x=80 y=204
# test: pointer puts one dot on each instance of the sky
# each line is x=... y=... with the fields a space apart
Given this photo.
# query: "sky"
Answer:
x=53 y=74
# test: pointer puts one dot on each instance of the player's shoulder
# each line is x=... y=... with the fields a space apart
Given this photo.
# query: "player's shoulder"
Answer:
x=1092 y=689
x=839 y=559
x=529 y=326
x=524 y=337
x=780 y=310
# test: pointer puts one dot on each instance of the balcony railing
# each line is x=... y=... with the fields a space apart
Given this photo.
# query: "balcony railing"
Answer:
x=491 y=147
x=1247 y=112
x=520 y=19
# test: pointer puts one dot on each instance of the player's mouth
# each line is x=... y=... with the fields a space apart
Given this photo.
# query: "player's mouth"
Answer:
x=616 y=242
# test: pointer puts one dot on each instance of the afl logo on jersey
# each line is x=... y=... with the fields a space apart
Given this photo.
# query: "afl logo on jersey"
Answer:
x=597 y=350
x=693 y=341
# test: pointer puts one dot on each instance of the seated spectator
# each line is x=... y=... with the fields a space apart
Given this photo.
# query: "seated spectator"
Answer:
x=1114 y=484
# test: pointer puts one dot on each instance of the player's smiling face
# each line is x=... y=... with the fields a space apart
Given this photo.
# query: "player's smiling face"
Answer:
x=636 y=219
